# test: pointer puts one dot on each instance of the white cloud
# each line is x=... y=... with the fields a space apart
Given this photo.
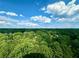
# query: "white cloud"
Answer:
x=41 y=19
x=71 y=19
x=60 y=8
x=2 y=12
x=11 y=13
x=14 y=23
x=7 y=21
x=21 y=15
x=27 y=24
x=2 y=22
x=8 y=13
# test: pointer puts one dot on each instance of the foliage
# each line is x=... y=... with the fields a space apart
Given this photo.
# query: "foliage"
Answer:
x=45 y=43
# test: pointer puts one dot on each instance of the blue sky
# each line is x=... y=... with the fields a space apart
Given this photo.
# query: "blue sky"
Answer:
x=39 y=13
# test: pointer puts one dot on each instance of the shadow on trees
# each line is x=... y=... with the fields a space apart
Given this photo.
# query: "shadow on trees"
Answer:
x=34 y=55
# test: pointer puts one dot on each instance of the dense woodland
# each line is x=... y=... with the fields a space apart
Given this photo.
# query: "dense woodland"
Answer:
x=40 y=43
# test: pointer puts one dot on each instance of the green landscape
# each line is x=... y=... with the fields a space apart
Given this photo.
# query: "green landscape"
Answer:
x=39 y=43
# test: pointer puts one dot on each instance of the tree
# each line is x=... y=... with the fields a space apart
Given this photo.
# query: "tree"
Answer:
x=56 y=48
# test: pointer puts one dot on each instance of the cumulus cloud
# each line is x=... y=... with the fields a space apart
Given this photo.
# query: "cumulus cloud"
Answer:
x=14 y=23
x=60 y=8
x=21 y=15
x=10 y=13
x=41 y=19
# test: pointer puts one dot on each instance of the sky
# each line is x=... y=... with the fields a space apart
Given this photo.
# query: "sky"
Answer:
x=39 y=13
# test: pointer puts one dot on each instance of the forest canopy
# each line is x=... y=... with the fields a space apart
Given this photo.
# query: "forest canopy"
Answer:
x=39 y=43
